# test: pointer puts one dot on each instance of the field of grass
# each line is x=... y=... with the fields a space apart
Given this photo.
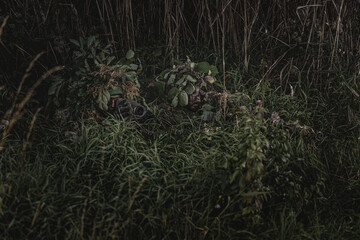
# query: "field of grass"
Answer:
x=245 y=177
x=273 y=152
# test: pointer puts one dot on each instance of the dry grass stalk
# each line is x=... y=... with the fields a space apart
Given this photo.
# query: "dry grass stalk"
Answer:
x=211 y=25
x=246 y=26
x=3 y=26
x=26 y=142
x=132 y=198
x=223 y=44
x=24 y=77
x=337 y=33
x=16 y=110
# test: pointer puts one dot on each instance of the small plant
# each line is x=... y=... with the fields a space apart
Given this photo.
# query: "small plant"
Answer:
x=245 y=167
x=93 y=75
x=187 y=84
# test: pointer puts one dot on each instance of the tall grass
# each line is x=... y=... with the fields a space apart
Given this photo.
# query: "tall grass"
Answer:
x=109 y=180
x=243 y=177
x=317 y=28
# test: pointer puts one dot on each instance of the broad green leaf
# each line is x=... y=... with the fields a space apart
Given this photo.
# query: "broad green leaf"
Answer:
x=202 y=67
x=171 y=79
x=125 y=67
x=130 y=54
x=189 y=89
x=210 y=79
x=52 y=88
x=75 y=42
x=134 y=66
x=183 y=99
x=175 y=101
x=191 y=79
x=173 y=92
x=207 y=116
x=180 y=81
x=96 y=62
x=214 y=70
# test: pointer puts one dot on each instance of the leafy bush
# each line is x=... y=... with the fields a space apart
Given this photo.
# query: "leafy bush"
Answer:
x=93 y=76
x=187 y=84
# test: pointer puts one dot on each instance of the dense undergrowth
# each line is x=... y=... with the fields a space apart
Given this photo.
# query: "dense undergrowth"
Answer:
x=273 y=154
x=249 y=176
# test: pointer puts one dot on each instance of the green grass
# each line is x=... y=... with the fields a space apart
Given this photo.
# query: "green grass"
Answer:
x=174 y=176
x=114 y=181
x=239 y=178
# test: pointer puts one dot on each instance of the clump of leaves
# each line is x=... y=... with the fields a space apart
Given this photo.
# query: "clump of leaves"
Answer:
x=246 y=167
x=93 y=76
x=187 y=84
x=251 y=142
